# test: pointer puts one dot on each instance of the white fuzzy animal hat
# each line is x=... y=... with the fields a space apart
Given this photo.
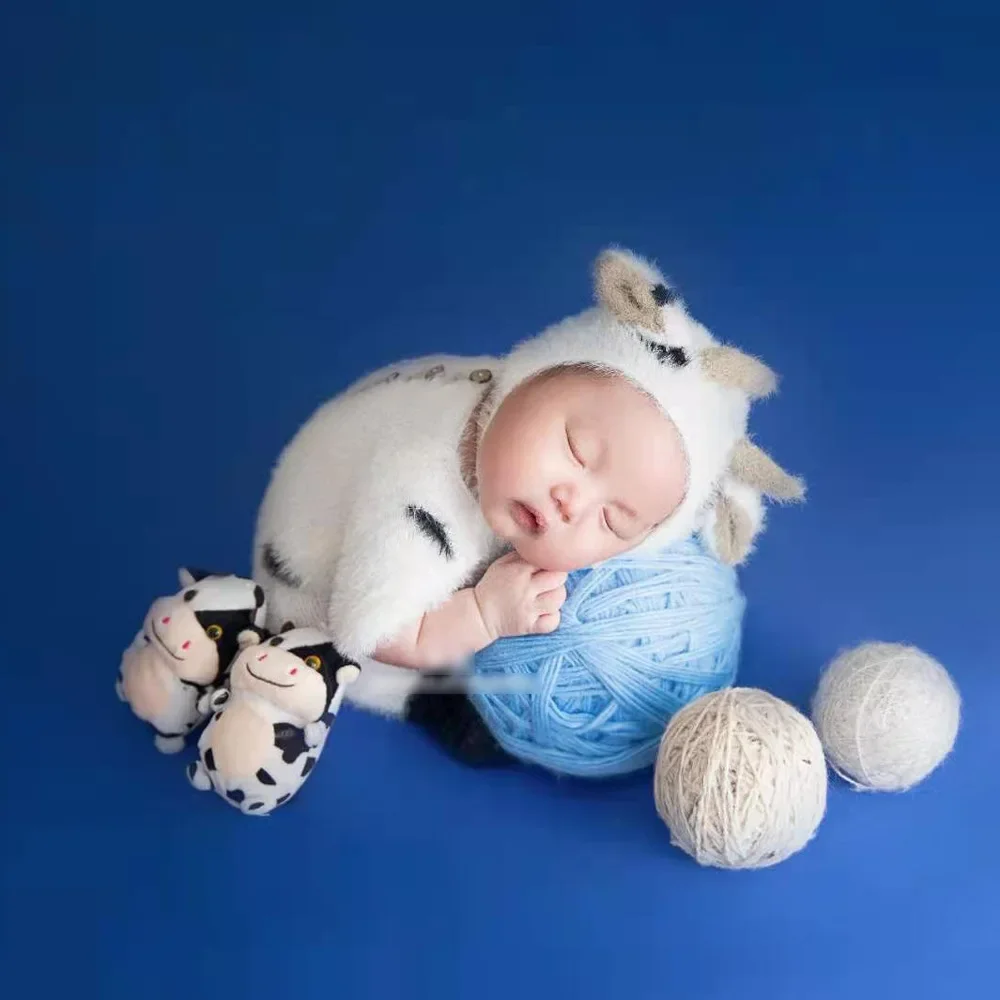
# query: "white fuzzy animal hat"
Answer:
x=640 y=329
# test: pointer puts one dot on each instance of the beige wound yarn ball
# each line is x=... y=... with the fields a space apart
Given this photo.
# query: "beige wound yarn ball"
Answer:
x=740 y=779
x=887 y=715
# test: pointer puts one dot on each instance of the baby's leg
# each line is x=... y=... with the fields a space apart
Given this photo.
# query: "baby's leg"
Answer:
x=452 y=721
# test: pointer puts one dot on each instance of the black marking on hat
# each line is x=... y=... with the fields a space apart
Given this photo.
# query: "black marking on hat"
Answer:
x=308 y=765
x=264 y=778
x=278 y=567
x=236 y=795
x=432 y=528
x=209 y=759
x=662 y=295
x=675 y=356
x=282 y=798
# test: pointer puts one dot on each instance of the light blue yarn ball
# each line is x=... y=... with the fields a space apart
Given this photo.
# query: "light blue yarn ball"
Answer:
x=640 y=637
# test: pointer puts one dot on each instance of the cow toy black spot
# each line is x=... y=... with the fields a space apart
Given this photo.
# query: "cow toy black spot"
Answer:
x=271 y=723
x=184 y=650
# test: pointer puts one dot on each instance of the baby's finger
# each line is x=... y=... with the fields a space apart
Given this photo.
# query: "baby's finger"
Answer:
x=509 y=557
x=551 y=600
x=547 y=623
x=547 y=579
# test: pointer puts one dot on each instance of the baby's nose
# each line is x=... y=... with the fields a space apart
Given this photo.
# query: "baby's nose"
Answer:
x=565 y=500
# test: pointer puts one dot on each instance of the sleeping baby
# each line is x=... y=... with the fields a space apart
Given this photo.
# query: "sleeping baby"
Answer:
x=436 y=507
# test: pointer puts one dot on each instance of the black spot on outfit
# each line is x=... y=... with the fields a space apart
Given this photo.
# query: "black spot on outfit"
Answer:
x=308 y=765
x=264 y=778
x=278 y=568
x=236 y=796
x=210 y=759
x=432 y=528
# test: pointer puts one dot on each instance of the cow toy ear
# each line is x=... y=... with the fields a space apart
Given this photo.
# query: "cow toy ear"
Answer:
x=287 y=627
x=188 y=576
x=250 y=637
x=348 y=673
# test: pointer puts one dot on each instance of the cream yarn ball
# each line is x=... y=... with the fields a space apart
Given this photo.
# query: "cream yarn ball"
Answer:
x=740 y=779
x=887 y=714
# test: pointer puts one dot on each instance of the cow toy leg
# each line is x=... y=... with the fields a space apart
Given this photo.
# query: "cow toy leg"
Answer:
x=198 y=776
x=168 y=744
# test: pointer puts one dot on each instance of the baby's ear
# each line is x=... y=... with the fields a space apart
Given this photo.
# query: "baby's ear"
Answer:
x=631 y=289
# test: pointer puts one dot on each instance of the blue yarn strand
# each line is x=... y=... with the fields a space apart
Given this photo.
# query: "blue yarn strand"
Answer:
x=640 y=638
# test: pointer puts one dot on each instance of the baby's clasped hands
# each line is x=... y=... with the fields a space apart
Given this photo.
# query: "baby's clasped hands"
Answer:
x=515 y=598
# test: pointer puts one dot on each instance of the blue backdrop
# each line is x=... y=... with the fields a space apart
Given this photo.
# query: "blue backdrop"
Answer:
x=215 y=215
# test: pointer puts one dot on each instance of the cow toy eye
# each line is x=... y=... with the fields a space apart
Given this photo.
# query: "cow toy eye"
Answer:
x=214 y=632
x=314 y=661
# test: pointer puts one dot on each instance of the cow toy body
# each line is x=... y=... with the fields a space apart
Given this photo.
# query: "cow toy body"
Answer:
x=271 y=724
x=184 y=650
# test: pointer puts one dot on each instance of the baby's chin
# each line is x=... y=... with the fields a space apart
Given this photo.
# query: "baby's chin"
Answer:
x=542 y=556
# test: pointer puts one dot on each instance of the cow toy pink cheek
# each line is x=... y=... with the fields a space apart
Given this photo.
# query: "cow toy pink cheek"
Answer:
x=184 y=649
x=270 y=725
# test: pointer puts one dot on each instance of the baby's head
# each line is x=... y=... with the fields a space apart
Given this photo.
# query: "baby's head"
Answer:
x=622 y=427
x=579 y=465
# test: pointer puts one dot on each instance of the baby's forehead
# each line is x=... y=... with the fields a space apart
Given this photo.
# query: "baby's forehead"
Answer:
x=595 y=387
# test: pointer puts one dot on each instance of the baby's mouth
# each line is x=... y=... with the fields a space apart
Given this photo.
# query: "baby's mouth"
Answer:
x=527 y=518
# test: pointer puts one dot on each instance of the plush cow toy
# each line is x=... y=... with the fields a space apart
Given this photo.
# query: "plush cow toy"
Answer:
x=271 y=724
x=184 y=650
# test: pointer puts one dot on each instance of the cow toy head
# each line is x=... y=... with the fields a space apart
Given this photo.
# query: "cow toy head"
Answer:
x=185 y=647
x=298 y=671
x=197 y=629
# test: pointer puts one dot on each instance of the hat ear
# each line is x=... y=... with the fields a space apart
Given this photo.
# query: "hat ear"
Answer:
x=732 y=532
x=631 y=289
x=287 y=627
x=733 y=522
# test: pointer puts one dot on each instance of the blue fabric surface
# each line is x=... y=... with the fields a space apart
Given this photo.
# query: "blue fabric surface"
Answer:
x=215 y=215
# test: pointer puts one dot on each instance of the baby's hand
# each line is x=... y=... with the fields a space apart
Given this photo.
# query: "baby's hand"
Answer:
x=514 y=598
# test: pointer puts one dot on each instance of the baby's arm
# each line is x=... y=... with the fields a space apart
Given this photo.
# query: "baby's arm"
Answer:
x=513 y=598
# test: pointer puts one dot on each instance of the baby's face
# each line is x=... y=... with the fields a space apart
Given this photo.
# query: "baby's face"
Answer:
x=575 y=468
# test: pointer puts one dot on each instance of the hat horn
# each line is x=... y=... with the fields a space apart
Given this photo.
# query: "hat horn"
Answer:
x=756 y=468
x=731 y=367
